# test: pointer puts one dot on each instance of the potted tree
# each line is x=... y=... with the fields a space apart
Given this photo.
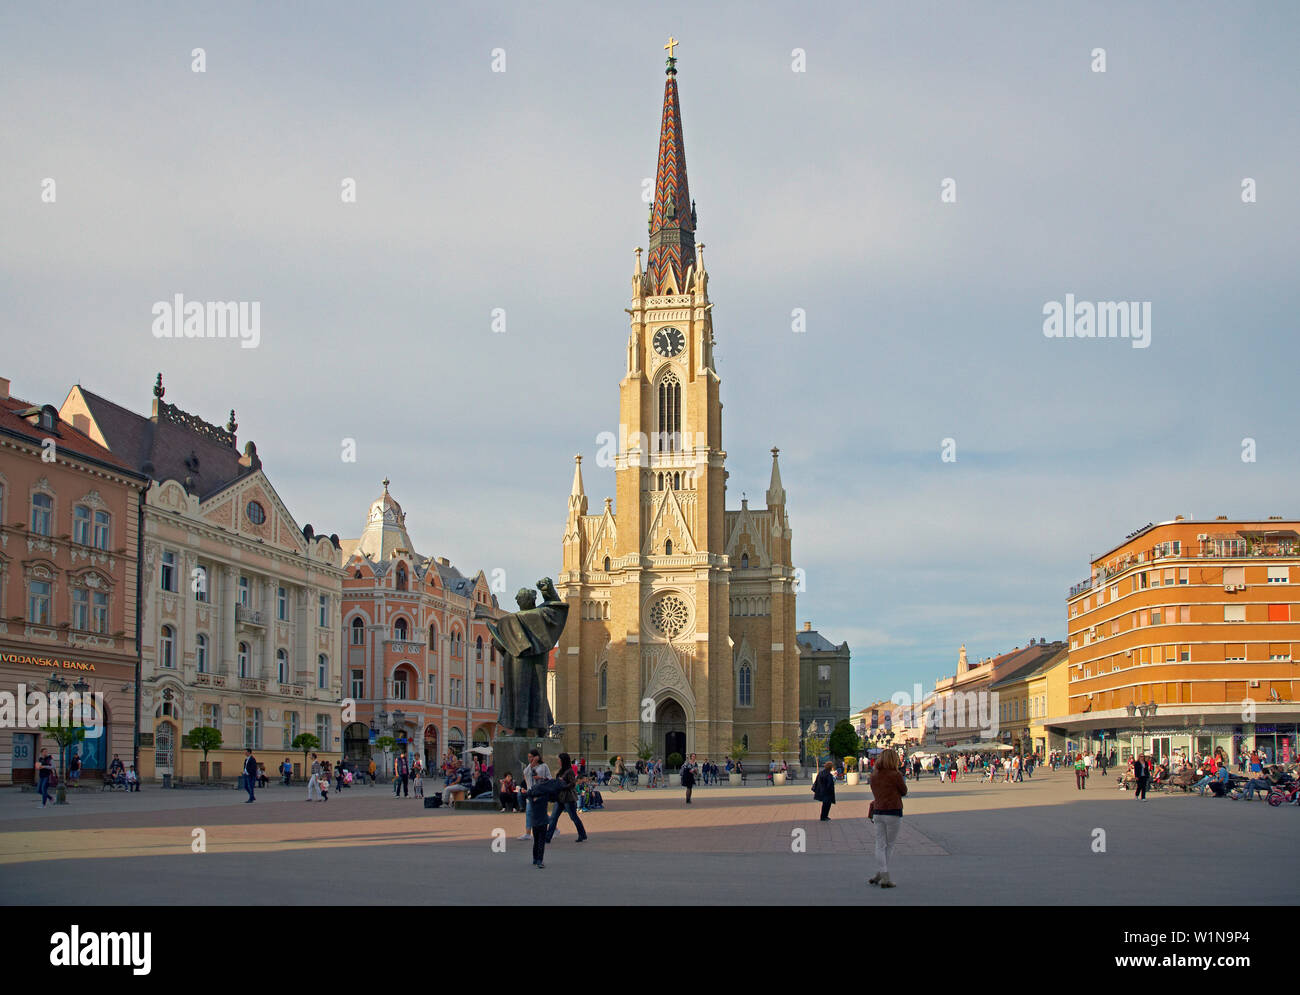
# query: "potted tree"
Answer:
x=780 y=747
x=850 y=770
x=644 y=751
x=814 y=747
x=306 y=742
x=843 y=742
x=205 y=738
x=738 y=751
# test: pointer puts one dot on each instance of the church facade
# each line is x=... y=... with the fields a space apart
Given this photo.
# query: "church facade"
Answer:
x=681 y=631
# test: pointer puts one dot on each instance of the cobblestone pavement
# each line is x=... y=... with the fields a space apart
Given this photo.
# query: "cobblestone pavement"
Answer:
x=965 y=843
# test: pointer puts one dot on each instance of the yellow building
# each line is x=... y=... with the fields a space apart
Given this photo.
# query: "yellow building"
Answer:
x=1048 y=693
x=681 y=629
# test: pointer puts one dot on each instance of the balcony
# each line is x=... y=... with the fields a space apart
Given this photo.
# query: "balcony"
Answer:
x=210 y=681
x=248 y=616
x=252 y=684
x=293 y=690
x=405 y=645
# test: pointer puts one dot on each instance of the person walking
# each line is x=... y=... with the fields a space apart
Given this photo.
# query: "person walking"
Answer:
x=568 y=800
x=313 y=785
x=688 y=780
x=886 y=812
x=1080 y=773
x=824 y=790
x=45 y=777
x=535 y=811
x=372 y=770
x=402 y=785
x=1141 y=774
x=250 y=774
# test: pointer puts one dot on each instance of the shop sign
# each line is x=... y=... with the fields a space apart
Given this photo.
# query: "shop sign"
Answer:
x=52 y=662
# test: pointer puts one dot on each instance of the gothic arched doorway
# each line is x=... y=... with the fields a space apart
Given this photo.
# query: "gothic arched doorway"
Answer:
x=432 y=761
x=670 y=729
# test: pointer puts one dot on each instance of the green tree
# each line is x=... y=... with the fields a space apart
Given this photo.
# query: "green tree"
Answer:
x=739 y=750
x=306 y=742
x=388 y=744
x=780 y=747
x=205 y=738
x=844 y=740
x=813 y=748
x=644 y=751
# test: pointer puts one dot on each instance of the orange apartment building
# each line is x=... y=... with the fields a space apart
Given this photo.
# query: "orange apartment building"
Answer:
x=1184 y=637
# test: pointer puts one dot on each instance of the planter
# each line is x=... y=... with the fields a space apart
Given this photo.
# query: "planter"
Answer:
x=778 y=777
x=851 y=777
x=643 y=780
x=734 y=778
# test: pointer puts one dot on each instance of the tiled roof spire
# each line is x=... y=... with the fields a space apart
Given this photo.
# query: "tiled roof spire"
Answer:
x=672 y=218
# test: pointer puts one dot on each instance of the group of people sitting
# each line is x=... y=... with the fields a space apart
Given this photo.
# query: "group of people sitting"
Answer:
x=120 y=776
x=1212 y=773
x=511 y=794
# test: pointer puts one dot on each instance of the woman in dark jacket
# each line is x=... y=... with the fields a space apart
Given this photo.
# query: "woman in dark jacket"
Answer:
x=887 y=791
x=824 y=790
x=568 y=800
x=688 y=780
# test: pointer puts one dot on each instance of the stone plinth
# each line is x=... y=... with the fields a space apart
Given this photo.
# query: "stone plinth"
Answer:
x=510 y=753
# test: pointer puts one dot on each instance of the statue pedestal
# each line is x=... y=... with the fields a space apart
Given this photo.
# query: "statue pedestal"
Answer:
x=510 y=753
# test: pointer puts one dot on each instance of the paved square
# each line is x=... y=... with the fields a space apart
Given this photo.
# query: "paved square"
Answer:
x=969 y=843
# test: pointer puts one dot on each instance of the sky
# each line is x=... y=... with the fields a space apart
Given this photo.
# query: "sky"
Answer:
x=820 y=184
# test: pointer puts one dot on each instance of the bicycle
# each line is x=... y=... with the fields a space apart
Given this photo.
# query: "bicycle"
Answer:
x=627 y=781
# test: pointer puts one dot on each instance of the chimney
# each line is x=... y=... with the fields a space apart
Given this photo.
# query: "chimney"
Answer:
x=4 y=388
x=807 y=627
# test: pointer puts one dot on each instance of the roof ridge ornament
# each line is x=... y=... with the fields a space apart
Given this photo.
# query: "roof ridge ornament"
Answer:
x=672 y=60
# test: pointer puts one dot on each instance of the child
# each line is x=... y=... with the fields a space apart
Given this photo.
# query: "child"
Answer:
x=417 y=785
x=132 y=780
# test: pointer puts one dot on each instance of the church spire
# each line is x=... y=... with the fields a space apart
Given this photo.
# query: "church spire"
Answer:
x=672 y=218
x=775 y=492
x=577 y=496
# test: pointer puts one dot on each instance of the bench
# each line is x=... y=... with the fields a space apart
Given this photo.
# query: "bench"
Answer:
x=483 y=803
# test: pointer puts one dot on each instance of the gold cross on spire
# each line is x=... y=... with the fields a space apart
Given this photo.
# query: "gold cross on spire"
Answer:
x=672 y=43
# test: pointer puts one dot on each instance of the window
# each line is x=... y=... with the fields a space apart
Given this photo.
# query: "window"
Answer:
x=823 y=701
x=1183 y=575
x=282 y=666
x=1234 y=575
x=323 y=731
x=478 y=694
x=1229 y=547
x=668 y=547
x=101 y=530
x=744 y=561
x=1184 y=613
x=358 y=683
x=200 y=583
x=201 y=653
x=399 y=630
x=167 y=576
x=745 y=686
x=243 y=591
x=358 y=632
x=256 y=513
x=99 y=609
x=281 y=604
x=243 y=659
x=42 y=514
x=478 y=651
x=431 y=686
x=1234 y=613
x=252 y=728
x=433 y=639
x=602 y=694
x=211 y=716
x=167 y=648
x=607 y=564
x=1279 y=613
x=401 y=576
x=1155 y=616
x=823 y=671
x=492 y=696
x=81 y=525
x=322 y=672
x=324 y=616
x=80 y=609
x=669 y=397
x=1277 y=575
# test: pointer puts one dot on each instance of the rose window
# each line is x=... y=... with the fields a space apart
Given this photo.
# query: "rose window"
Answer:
x=669 y=615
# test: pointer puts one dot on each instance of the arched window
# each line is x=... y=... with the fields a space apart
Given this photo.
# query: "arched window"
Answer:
x=745 y=686
x=201 y=653
x=433 y=639
x=604 y=684
x=744 y=741
x=401 y=576
x=677 y=481
x=607 y=564
x=744 y=561
x=661 y=482
x=167 y=648
x=478 y=649
x=669 y=396
x=282 y=666
x=400 y=630
x=358 y=632
x=668 y=547
x=322 y=671
x=242 y=657
x=42 y=514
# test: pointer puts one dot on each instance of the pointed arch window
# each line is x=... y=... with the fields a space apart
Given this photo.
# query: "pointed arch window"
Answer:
x=607 y=564
x=433 y=639
x=358 y=632
x=744 y=561
x=604 y=685
x=401 y=576
x=668 y=547
x=745 y=687
x=669 y=398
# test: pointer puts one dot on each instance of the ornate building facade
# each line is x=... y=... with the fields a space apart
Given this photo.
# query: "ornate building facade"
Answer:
x=69 y=552
x=420 y=664
x=240 y=607
x=681 y=631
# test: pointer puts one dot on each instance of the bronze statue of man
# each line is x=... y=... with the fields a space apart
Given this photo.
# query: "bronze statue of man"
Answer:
x=526 y=639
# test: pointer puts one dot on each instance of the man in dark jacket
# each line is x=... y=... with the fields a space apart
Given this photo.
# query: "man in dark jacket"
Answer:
x=824 y=791
x=403 y=777
x=250 y=774
x=688 y=780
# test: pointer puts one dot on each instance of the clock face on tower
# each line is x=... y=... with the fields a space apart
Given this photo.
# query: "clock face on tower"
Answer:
x=669 y=342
